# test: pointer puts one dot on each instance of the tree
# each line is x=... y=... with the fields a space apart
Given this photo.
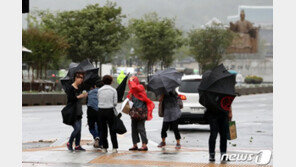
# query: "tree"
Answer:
x=47 y=48
x=157 y=39
x=208 y=45
x=94 y=32
x=182 y=53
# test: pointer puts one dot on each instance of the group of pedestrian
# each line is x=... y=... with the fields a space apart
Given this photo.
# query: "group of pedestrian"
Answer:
x=101 y=103
x=101 y=111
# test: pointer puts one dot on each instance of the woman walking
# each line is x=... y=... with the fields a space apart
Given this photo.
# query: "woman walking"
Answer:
x=140 y=112
x=107 y=97
x=172 y=113
x=74 y=97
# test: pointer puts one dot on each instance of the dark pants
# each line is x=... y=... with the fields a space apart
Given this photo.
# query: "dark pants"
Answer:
x=174 y=127
x=76 y=134
x=94 y=123
x=138 y=127
x=107 y=118
x=218 y=124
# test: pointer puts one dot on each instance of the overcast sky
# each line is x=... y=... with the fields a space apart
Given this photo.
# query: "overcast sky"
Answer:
x=188 y=13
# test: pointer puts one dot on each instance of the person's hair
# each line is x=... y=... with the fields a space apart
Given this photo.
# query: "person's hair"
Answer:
x=107 y=80
x=99 y=84
x=77 y=73
x=173 y=93
x=92 y=86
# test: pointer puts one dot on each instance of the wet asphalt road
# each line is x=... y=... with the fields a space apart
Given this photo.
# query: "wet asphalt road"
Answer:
x=253 y=115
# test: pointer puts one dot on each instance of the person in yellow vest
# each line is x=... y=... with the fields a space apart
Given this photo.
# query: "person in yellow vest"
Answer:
x=120 y=77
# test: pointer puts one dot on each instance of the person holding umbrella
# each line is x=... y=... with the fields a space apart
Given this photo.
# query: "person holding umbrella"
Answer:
x=140 y=112
x=217 y=92
x=172 y=113
x=164 y=83
x=74 y=97
x=218 y=121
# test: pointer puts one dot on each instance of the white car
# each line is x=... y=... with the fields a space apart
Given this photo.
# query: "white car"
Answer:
x=193 y=111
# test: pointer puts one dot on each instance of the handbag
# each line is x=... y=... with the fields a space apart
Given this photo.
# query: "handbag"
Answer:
x=138 y=113
x=118 y=125
x=179 y=102
x=232 y=131
x=69 y=113
x=126 y=106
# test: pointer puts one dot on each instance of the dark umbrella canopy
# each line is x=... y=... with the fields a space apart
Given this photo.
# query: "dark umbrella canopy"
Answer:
x=121 y=89
x=219 y=80
x=91 y=74
x=162 y=82
x=217 y=89
x=68 y=79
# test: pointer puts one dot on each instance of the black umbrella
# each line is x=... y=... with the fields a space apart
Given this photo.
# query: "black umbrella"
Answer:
x=68 y=79
x=217 y=89
x=91 y=74
x=121 y=89
x=162 y=82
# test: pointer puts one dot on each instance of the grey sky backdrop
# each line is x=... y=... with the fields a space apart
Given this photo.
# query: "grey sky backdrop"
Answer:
x=188 y=13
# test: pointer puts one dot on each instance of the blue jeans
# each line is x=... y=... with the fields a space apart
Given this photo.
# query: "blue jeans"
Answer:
x=76 y=134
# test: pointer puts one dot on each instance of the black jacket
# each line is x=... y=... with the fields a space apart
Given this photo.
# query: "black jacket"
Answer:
x=73 y=110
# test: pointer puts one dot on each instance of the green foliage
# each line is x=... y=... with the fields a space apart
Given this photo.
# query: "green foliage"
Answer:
x=209 y=45
x=252 y=79
x=47 y=49
x=182 y=53
x=157 y=39
x=94 y=32
x=125 y=48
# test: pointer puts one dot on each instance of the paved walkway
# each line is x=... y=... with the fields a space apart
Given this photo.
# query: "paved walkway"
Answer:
x=58 y=156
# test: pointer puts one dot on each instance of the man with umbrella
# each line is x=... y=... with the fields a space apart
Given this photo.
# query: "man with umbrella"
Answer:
x=217 y=91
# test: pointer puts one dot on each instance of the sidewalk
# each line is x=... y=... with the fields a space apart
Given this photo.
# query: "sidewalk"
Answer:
x=58 y=156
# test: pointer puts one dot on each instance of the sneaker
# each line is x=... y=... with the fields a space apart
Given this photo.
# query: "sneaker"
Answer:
x=79 y=148
x=143 y=149
x=161 y=144
x=96 y=143
x=114 y=150
x=104 y=150
x=212 y=158
x=178 y=146
x=133 y=149
x=70 y=148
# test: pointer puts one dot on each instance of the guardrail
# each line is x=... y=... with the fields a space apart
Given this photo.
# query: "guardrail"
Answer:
x=34 y=99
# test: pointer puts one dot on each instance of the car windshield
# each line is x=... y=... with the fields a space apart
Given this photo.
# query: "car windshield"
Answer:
x=189 y=86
